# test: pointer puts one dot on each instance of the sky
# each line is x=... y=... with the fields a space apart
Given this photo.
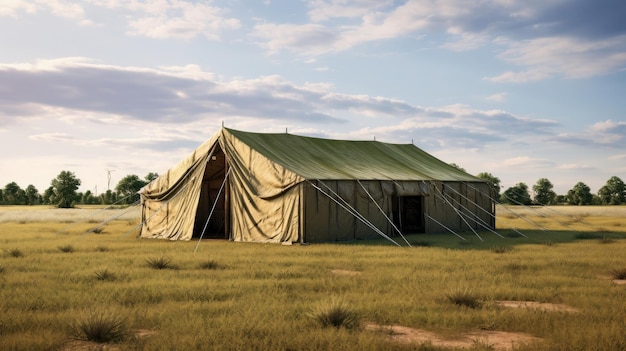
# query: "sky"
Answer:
x=107 y=88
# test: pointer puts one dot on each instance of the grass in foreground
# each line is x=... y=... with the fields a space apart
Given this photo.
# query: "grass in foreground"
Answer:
x=264 y=296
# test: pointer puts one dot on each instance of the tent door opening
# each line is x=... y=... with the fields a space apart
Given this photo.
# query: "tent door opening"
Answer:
x=211 y=182
x=408 y=213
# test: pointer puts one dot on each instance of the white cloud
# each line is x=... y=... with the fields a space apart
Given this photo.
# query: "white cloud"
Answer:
x=618 y=157
x=323 y=10
x=163 y=19
x=563 y=57
x=12 y=8
x=527 y=162
x=575 y=166
x=498 y=97
x=180 y=20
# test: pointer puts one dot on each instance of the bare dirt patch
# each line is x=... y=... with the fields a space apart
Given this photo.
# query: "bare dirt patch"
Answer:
x=537 y=306
x=80 y=345
x=498 y=340
x=619 y=281
x=344 y=272
x=83 y=345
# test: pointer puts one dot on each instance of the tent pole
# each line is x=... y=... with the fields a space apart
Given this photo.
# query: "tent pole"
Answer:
x=383 y=212
x=351 y=210
x=226 y=201
x=516 y=214
x=476 y=218
x=160 y=208
x=95 y=213
x=206 y=224
x=106 y=221
x=441 y=224
x=495 y=202
x=457 y=212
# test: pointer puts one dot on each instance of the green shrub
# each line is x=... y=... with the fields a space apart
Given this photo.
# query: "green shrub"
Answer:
x=335 y=313
x=160 y=263
x=100 y=327
x=464 y=297
x=66 y=248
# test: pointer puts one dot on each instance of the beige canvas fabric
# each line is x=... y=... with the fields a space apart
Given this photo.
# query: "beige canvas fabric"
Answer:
x=270 y=190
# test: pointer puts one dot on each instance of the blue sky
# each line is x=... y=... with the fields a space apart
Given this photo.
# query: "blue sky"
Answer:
x=521 y=89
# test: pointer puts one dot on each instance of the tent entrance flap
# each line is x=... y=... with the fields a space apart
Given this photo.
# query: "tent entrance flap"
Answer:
x=408 y=213
x=214 y=175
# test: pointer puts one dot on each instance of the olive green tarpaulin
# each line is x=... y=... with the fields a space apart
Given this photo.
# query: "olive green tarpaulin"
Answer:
x=271 y=190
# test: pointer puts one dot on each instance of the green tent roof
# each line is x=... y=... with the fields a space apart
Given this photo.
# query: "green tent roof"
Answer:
x=316 y=158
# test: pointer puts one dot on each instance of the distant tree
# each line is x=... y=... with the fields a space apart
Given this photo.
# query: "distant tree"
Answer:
x=88 y=198
x=48 y=196
x=613 y=192
x=2 y=196
x=151 y=176
x=493 y=180
x=516 y=195
x=109 y=197
x=65 y=186
x=128 y=187
x=32 y=195
x=580 y=194
x=13 y=194
x=457 y=167
x=543 y=193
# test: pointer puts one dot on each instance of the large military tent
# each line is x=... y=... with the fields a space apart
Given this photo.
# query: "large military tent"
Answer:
x=286 y=188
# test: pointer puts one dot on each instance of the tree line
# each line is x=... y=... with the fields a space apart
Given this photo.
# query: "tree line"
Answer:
x=63 y=192
x=542 y=193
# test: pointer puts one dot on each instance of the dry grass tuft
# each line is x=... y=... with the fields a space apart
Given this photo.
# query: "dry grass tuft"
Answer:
x=100 y=327
x=160 y=263
x=15 y=252
x=66 y=248
x=335 y=313
x=464 y=297
x=210 y=264
x=618 y=273
x=105 y=275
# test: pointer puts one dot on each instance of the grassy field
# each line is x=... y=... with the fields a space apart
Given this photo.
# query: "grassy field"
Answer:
x=62 y=282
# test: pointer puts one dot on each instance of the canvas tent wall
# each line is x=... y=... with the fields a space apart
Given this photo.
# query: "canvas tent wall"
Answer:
x=287 y=188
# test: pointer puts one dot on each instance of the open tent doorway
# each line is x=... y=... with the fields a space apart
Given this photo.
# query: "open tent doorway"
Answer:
x=408 y=213
x=212 y=181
